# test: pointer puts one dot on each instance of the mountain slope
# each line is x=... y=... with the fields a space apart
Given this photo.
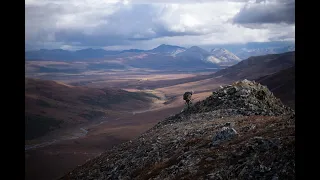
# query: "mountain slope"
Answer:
x=223 y=57
x=51 y=105
x=217 y=56
x=282 y=84
x=195 y=57
x=194 y=52
x=190 y=59
x=258 y=66
x=254 y=137
x=168 y=49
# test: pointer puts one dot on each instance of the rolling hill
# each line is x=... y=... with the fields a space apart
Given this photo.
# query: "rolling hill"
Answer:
x=50 y=105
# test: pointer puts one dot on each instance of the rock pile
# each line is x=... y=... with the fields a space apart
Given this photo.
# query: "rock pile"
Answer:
x=247 y=97
x=244 y=98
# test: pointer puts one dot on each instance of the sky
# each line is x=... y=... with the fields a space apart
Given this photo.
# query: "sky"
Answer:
x=145 y=24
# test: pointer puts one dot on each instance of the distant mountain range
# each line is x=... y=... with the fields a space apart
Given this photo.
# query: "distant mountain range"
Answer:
x=246 y=53
x=163 y=56
x=86 y=54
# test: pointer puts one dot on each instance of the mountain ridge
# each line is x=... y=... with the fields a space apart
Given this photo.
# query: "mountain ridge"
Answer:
x=47 y=54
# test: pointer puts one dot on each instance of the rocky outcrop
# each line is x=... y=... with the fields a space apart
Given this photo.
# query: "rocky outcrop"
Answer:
x=245 y=97
x=241 y=98
x=240 y=132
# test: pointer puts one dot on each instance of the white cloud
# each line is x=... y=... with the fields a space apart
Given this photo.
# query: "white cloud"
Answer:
x=140 y=23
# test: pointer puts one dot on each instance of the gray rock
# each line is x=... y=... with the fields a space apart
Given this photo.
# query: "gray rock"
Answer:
x=232 y=90
x=248 y=128
x=225 y=134
x=275 y=177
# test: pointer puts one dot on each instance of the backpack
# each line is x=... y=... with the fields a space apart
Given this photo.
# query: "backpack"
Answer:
x=187 y=96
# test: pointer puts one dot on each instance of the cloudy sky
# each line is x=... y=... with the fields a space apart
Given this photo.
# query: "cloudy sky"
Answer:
x=145 y=24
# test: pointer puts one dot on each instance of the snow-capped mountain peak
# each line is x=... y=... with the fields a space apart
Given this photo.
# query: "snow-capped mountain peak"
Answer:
x=224 y=55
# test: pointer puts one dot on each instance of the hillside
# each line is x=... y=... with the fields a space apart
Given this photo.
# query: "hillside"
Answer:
x=193 y=53
x=258 y=66
x=241 y=131
x=50 y=105
x=195 y=57
x=282 y=84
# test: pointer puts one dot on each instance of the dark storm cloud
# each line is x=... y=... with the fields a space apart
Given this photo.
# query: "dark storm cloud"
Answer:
x=280 y=11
